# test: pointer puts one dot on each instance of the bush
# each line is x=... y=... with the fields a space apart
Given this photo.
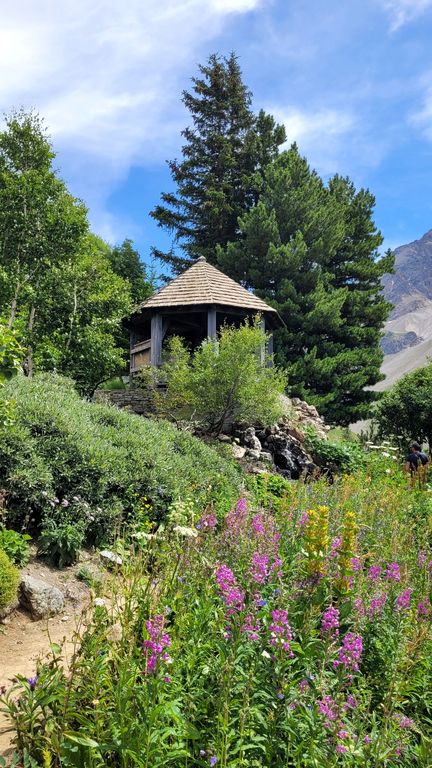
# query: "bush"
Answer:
x=224 y=381
x=61 y=540
x=343 y=456
x=66 y=459
x=9 y=580
x=15 y=545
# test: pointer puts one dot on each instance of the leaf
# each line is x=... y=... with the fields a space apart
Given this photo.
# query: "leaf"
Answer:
x=83 y=741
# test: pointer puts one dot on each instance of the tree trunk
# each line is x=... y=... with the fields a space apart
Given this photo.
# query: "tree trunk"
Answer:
x=30 y=348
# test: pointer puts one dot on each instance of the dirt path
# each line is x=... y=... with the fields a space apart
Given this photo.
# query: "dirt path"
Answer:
x=24 y=641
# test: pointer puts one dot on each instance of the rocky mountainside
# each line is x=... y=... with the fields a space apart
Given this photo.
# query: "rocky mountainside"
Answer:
x=408 y=340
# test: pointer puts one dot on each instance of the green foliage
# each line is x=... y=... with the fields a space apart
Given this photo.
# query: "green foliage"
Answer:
x=15 y=545
x=9 y=580
x=58 y=288
x=340 y=455
x=11 y=354
x=225 y=381
x=220 y=175
x=311 y=250
x=75 y=463
x=126 y=262
x=211 y=690
x=61 y=540
x=405 y=411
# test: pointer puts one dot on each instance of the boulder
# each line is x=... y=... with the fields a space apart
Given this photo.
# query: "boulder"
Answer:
x=110 y=558
x=39 y=598
x=252 y=454
x=250 y=439
x=238 y=451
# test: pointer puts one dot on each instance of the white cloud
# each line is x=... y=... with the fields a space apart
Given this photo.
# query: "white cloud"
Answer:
x=423 y=118
x=107 y=76
x=404 y=11
x=321 y=134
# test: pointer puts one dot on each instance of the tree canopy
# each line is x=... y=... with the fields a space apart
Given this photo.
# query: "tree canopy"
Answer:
x=219 y=177
x=405 y=411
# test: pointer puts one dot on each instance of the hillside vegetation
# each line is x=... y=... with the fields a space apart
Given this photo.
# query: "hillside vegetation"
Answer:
x=80 y=470
x=295 y=631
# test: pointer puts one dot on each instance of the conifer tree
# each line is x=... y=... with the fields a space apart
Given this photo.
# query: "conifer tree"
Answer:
x=220 y=174
x=311 y=251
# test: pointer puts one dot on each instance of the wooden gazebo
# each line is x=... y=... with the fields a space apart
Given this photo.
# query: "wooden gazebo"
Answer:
x=193 y=306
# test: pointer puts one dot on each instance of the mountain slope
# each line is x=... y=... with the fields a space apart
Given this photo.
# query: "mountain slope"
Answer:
x=408 y=339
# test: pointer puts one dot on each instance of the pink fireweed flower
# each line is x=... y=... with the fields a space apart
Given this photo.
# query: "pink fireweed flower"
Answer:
x=423 y=607
x=340 y=749
x=350 y=702
x=303 y=685
x=393 y=572
x=343 y=734
x=156 y=644
x=241 y=506
x=303 y=519
x=359 y=606
x=327 y=707
x=335 y=547
x=377 y=604
x=403 y=600
x=260 y=567
x=207 y=521
x=330 y=622
x=350 y=652
x=422 y=558
x=258 y=524
x=403 y=721
x=367 y=739
x=356 y=564
x=231 y=594
x=251 y=627
x=280 y=631
x=374 y=572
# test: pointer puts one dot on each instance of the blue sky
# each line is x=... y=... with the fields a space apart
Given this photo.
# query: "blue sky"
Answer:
x=350 y=79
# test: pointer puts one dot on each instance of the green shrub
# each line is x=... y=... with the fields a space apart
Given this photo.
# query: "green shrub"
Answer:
x=65 y=458
x=343 y=456
x=61 y=541
x=223 y=382
x=15 y=545
x=9 y=580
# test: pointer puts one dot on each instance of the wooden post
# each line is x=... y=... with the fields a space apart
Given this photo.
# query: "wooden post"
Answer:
x=263 y=346
x=270 y=350
x=156 y=340
x=211 y=323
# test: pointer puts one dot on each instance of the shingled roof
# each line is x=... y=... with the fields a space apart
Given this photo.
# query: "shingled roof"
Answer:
x=202 y=284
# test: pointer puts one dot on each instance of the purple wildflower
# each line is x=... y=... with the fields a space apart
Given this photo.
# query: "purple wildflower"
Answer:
x=340 y=749
x=231 y=594
x=335 y=547
x=403 y=600
x=350 y=702
x=213 y=760
x=330 y=622
x=423 y=607
x=303 y=519
x=350 y=652
x=393 y=572
x=356 y=564
x=280 y=630
x=359 y=606
x=403 y=721
x=156 y=643
x=328 y=708
x=374 y=572
x=367 y=739
x=421 y=559
x=207 y=521
x=250 y=628
x=377 y=603
x=202 y=752
x=303 y=685
x=241 y=506
x=258 y=524
x=32 y=681
x=260 y=567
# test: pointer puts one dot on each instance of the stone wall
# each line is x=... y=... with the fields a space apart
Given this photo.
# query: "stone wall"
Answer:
x=134 y=400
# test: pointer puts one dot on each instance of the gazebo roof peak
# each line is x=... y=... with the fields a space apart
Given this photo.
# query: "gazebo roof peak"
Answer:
x=203 y=284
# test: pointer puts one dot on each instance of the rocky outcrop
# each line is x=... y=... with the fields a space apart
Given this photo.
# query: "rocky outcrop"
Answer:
x=277 y=449
x=392 y=343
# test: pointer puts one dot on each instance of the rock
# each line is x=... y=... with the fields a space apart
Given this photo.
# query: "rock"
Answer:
x=6 y=610
x=250 y=439
x=224 y=438
x=110 y=558
x=296 y=433
x=238 y=451
x=266 y=456
x=40 y=598
x=252 y=454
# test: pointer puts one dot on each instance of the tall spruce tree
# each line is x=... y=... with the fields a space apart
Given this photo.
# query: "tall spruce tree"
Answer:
x=311 y=251
x=220 y=175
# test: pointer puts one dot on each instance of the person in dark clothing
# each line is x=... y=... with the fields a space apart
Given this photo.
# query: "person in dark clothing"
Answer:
x=416 y=464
